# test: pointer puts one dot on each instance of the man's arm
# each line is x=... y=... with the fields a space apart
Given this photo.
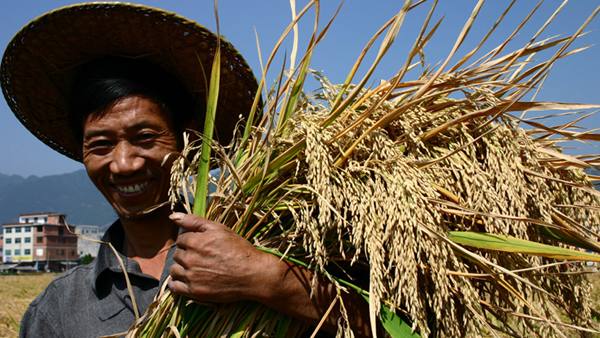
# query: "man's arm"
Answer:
x=215 y=264
x=38 y=323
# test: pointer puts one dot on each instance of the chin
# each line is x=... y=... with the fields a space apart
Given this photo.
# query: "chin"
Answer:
x=142 y=213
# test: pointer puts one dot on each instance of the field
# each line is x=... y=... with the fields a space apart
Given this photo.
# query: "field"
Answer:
x=16 y=292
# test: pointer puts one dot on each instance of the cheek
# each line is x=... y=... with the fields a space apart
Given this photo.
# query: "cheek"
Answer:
x=93 y=168
x=159 y=152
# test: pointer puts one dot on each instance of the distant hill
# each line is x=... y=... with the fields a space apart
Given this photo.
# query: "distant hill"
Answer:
x=72 y=194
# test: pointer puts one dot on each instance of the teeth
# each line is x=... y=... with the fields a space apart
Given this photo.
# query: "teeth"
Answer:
x=132 y=188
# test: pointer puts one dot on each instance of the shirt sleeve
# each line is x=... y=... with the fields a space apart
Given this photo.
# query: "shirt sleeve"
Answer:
x=41 y=319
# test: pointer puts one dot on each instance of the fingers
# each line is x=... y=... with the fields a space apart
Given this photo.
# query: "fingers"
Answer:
x=212 y=262
x=194 y=223
x=190 y=283
x=185 y=241
x=201 y=243
x=179 y=256
x=177 y=272
x=178 y=286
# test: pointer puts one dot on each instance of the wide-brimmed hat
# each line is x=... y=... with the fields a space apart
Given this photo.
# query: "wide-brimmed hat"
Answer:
x=42 y=60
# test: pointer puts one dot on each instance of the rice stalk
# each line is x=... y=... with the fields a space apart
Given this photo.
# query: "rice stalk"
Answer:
x=374 y=188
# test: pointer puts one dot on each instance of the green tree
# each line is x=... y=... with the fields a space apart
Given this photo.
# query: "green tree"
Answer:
x=87 y=259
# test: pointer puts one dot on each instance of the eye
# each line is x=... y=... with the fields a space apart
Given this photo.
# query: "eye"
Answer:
x=97 y=144
x=143 y=137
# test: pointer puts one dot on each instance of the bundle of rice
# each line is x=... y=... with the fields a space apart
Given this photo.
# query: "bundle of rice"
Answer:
x=461 y=220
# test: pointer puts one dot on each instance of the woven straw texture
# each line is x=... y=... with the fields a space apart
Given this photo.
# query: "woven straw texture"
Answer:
x=41 y=61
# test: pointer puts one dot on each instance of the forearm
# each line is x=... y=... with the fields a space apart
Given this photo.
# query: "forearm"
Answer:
x=290 y=293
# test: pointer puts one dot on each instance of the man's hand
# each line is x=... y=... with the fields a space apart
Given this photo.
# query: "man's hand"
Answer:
x=215 y=264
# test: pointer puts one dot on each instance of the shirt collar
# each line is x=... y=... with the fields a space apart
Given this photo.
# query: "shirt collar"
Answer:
x=107 y=262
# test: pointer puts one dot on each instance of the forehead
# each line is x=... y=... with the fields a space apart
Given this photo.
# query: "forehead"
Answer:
x=129 y=112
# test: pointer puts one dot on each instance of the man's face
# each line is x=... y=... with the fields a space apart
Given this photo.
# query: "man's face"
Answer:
x=123 y=150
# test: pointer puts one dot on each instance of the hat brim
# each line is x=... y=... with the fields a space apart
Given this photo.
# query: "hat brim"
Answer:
x=42 y=60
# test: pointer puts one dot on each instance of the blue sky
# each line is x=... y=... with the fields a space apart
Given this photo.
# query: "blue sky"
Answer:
x=575 y=79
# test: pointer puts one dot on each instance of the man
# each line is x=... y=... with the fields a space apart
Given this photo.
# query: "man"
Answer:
x=114 y=86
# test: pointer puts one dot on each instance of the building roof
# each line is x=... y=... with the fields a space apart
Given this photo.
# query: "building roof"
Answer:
x=43 y=214
x=21 y=224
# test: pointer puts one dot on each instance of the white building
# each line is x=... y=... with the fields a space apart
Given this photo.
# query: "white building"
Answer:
x=86 y=245
x=18 y=242
x=41 y=240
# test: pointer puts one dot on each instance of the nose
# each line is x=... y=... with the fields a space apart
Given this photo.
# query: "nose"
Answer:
x=126 y=159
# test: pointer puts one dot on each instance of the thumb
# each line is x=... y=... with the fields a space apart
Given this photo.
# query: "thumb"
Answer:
x=190 y=222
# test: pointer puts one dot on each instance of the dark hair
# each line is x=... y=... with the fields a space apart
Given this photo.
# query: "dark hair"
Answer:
x=102 y=82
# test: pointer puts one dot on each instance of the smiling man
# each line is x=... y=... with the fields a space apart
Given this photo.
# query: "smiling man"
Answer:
x=120 y=103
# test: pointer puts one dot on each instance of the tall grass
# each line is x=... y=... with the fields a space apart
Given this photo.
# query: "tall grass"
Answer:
x=16 y=292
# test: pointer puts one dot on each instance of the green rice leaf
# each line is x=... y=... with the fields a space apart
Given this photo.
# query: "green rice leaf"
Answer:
x=283 y=326
x=510 y=244
x=209 y=121
x=274 y=165
x=393 y=323
x=567 y=237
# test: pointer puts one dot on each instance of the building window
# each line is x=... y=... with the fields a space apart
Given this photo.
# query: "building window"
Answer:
x=27 y=229
x=6 y=252
x=62 y=253
x=7 y=230
x=74 y=240
x=72 y=252
x=58 y=240
x=27 y=239
x=39 y=240
x=45 y=219
x=63 y=240
x=40 y=228
x=8 y=240
x=27 y=252
x=57 y=252
x=17 y=229
x=17 y=252
x=17 y=240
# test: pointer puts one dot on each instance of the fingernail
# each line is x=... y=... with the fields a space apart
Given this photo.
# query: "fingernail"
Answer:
x=176 y=216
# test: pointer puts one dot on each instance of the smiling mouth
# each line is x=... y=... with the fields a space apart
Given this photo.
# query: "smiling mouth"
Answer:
x=132 y=189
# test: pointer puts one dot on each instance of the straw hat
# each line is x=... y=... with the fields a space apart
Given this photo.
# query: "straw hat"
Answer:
x=41 y=61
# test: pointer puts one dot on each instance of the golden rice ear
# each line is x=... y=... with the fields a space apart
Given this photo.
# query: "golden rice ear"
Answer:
x=386 y=183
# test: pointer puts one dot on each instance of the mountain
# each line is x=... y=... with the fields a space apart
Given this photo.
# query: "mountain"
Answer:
x=72 y=194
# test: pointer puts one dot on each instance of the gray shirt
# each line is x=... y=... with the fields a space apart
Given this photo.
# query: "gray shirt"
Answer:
x=93 y=300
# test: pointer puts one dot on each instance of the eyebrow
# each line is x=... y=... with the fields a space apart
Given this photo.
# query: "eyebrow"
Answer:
x=88 y=134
